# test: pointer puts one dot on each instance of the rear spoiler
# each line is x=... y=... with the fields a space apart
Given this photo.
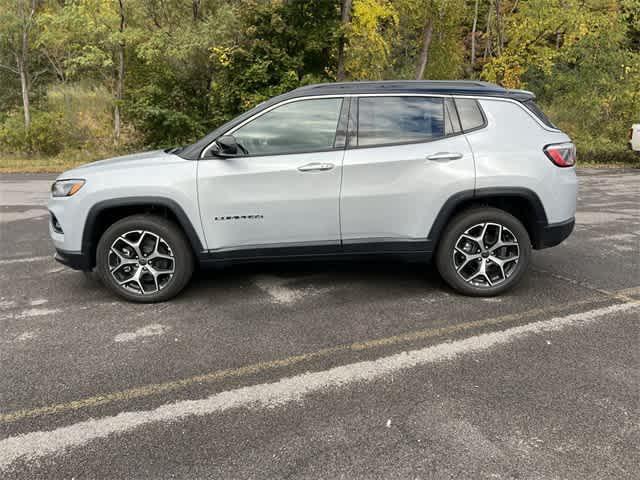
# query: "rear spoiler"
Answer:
x=520 y=95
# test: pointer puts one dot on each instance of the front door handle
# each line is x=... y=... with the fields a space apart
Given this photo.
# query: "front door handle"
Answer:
x=316 y=166
x=444 y=156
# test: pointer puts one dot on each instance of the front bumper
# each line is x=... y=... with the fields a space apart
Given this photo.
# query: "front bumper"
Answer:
x=75 y=260
x=553 y=234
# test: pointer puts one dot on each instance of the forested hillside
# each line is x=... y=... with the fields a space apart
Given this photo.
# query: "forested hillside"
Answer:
x=82 y=79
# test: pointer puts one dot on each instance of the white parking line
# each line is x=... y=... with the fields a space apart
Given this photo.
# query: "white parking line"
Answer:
x=38 y=301
x=7 y=261
x=146 y=331
x=29 y=313
x=6 y=217
x=31 y=446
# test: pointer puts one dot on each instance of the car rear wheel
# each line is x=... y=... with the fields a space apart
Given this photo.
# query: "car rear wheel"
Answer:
x=144 y=258
x=483 y=252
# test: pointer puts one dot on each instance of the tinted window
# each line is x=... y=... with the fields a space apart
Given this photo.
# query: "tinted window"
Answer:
x=383 y=120
x=302 y=126
x=452 y=122
x=535 y=109
x=470 y=113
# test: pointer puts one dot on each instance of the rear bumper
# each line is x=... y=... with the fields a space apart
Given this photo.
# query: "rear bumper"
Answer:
x=75 y=260
x=553 y=234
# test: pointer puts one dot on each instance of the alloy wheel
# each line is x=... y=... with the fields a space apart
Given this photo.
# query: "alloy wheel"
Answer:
x=141 y=262
x=486 y=254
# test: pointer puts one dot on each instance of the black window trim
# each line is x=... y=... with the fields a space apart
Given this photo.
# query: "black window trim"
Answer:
x=451 y=110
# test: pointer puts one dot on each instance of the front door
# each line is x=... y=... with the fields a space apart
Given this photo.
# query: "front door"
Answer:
x=283 y=190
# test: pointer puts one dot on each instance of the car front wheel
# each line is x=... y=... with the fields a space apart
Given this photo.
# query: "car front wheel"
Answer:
x=144 y=258
x=483 y=252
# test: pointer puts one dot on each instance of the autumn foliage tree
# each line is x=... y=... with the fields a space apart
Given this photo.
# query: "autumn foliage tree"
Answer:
x=100 y=76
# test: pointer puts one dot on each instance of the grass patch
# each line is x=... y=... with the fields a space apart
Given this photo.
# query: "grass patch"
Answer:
x=607 y=165
x=44 y=164
x=609 y=158
x=37 y=165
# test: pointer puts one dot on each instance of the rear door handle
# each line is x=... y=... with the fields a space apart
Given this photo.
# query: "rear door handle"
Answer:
x=316 y=166
x=444 y=156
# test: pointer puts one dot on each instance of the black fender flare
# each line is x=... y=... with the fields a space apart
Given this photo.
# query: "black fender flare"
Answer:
x=88 y=236
x=470 y=196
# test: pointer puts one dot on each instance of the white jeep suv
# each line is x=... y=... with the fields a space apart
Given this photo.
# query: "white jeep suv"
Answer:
x=469 y=173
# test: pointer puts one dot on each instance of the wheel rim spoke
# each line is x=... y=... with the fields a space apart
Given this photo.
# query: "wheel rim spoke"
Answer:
x=123 y=261
x=154 y=274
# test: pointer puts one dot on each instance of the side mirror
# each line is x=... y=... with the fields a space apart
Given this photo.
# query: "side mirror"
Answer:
x=226 y=146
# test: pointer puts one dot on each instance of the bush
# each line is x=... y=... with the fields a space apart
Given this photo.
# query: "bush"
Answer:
x=48 y=134
x=626 y=157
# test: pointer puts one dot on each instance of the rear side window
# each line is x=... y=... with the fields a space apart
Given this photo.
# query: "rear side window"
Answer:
x=470 y=113
x=388 y=120
x=535 y=109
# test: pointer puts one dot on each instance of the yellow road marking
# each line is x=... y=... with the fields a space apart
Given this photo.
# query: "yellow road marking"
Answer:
x=629 y=291
x=154 y=389
x=621 y=295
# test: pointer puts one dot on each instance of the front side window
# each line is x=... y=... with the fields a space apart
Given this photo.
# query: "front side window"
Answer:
x=388 y=120
x=302 y=126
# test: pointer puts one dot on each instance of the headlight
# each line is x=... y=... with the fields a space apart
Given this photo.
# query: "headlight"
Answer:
x=66 y=188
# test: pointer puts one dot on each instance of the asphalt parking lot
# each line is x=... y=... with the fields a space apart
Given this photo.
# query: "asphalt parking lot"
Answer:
x=360 y=370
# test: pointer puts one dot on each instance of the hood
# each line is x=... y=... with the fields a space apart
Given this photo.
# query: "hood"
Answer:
x=123 y=162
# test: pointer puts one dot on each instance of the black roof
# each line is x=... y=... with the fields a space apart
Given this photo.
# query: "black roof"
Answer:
x=446 y=87
x=442 y=87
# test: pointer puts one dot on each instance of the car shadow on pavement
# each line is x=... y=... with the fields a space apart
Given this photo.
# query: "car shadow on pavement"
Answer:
x=378 y=274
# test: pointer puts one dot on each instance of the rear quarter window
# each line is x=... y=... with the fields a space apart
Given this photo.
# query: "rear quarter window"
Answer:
x=535 y=109
x=471 y=116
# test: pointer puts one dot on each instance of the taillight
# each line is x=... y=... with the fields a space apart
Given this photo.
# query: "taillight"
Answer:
x=561 y=154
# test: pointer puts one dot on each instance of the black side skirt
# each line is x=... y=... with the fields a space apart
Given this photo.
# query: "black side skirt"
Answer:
x=404 y=250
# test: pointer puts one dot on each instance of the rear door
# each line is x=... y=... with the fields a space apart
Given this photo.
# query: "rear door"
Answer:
x=283 y=191
x=406 y=156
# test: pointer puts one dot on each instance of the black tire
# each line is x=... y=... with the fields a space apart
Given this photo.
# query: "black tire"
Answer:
x=172 y=236
x=460 y=224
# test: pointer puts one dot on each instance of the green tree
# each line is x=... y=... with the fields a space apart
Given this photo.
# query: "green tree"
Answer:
x=370 y=36
x=429 y=44
x=278 y=46
x=17 y=33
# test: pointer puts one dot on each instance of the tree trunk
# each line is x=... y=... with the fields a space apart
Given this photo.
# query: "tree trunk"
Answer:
x=22 y=62
x=499 y=39
x=24 y=84
x=119 y=77
x=346 y=18
x=473 y=35
x=195 y=6
x=427 y=34
x=487 y=43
